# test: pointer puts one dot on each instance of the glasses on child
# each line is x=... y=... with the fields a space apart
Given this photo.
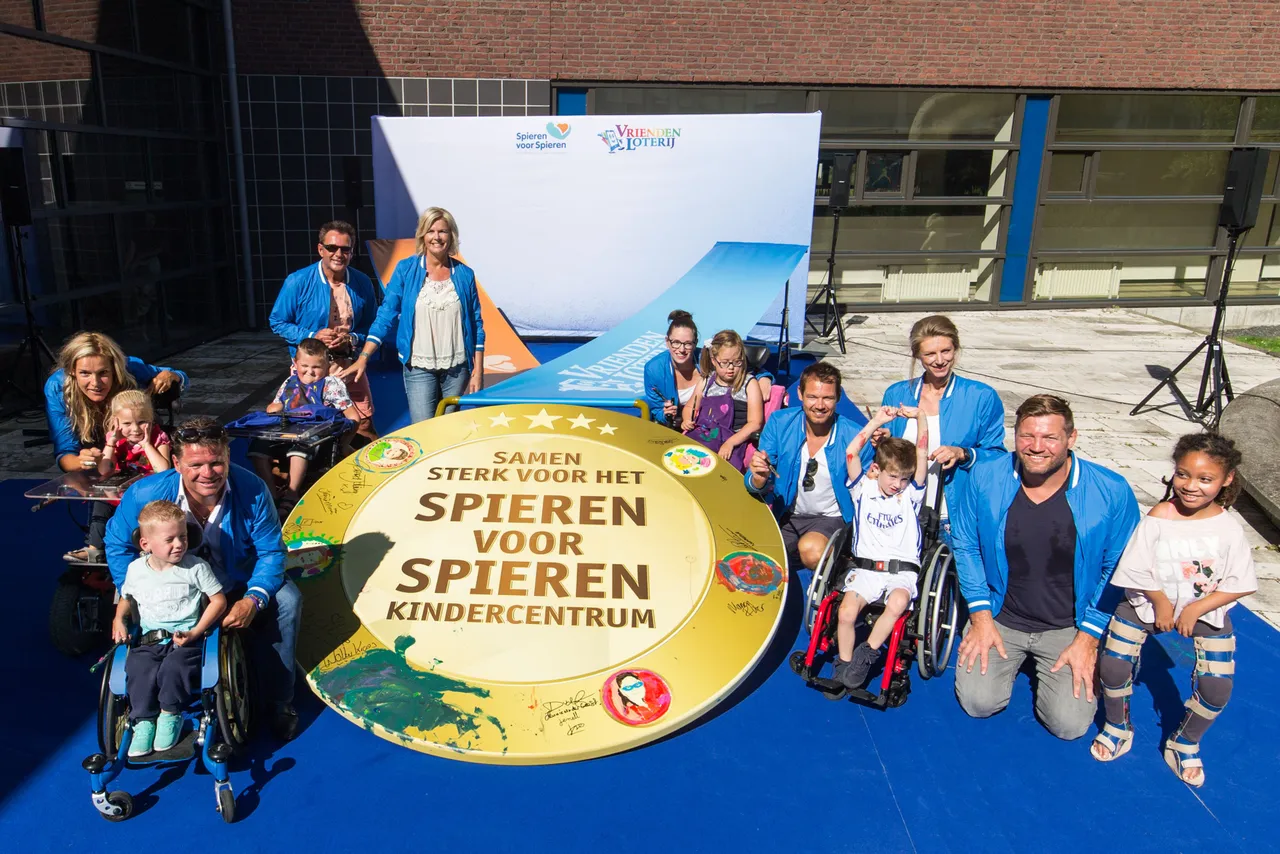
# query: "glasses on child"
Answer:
x=727 y=365
x=338 y=247
x=809 y=471
x=680 y=345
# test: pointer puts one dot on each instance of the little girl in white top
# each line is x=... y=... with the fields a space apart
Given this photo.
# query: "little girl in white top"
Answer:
x=1184 y=568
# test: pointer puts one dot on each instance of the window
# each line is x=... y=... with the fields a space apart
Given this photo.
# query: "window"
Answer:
x=680 y=100
x=917 y=116
x=1147 y=118
x=1127 y=226
x=1161 y=173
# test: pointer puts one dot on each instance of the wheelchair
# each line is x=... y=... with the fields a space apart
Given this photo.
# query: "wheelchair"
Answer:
x=924 y=634
x=216 y=723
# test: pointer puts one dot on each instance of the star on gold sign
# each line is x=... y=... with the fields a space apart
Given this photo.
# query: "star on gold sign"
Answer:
x=499 y=420
x=606 y=429
x=581 y=421
x=543 y=419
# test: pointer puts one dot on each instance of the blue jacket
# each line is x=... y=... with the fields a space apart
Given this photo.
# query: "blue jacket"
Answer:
x=970 y=415
x=782 y=439
x=660 y=382
x=65 y=440
x=302 y=308
x=1105 y=514
x=402 y=297
x=253 y=551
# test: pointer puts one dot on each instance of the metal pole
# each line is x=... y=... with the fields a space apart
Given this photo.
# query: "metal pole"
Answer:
x=237 y=147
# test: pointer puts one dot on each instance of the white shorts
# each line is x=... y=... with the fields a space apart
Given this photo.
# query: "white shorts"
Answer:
x=874 y=586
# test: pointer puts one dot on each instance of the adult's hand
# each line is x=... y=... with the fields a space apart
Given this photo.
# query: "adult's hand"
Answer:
x=473 y=384
x=976 y=647
x=948 y=456
x=1081 y=655
x=354 y=371
x=759 y=469
x=164 y=381
x=89 y=457
x=240 y=614
x=670 y=410
x=327 y=337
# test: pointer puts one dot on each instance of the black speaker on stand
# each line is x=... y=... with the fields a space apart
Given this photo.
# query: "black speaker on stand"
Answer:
x=837 y=201
x=15 y=210
x=1246 y=172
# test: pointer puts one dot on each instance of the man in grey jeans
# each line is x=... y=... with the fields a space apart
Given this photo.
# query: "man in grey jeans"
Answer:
x=1036 y=537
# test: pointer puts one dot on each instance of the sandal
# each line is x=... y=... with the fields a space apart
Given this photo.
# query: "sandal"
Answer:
x=1181 y=756
x=88 y=554
x=1116 y=739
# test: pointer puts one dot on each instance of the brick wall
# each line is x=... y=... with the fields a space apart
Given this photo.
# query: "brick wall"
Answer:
x=1221 y=44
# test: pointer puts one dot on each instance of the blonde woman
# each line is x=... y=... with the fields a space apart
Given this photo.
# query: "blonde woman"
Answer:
x=92 y=370
x=440 y=341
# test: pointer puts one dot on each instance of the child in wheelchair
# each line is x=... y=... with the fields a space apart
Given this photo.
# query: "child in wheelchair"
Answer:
x=887 y=539
x=309 y=385
x=162 y=591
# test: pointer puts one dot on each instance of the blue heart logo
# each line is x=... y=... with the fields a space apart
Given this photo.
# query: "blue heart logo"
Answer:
x=559 y=131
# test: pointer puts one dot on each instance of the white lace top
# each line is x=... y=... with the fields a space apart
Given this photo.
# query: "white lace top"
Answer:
x=437 y=328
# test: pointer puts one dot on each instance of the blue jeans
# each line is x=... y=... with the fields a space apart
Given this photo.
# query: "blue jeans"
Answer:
x=274 y=640
x=425 y=388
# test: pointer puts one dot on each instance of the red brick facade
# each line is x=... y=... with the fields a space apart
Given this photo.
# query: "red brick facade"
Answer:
x=1121 y=44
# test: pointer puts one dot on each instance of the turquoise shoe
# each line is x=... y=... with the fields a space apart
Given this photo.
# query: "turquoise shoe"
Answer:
x=168 y=728
x=144 y=733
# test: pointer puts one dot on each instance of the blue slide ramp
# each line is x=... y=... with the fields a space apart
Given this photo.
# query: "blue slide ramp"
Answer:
x=729 y=288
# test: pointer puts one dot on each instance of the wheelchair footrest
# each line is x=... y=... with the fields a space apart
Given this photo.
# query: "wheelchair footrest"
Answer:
x=864 y=697
x=183 y=750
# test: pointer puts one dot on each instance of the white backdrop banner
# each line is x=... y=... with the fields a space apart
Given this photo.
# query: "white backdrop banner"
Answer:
x=574 y=223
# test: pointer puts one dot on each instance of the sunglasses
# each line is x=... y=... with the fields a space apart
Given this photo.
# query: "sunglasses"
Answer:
x=809 y=471
x=337 y=247
x=195 y=434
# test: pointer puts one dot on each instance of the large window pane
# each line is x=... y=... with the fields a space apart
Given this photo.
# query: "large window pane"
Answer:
x=1267 y=230
x=1147 y=118
x=1161 y=173
x=179 y=176
x=1135 y=277
x=193 y=304
x=1266 y=121
x=960 y=173
x=155 y=243
x=138 y=95
x=902 y=228
x=162 y=30
x=880 y=114
x=1126 y=226
x=103 y=169
x=1256 y=277
x=693 y=100
x=1066 y=172
x=82 y=251
x=871 y=280
x=884 y=172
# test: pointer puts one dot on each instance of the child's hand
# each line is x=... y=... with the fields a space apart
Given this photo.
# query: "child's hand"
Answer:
x=908 y=411
x=884 y=415
x=146 y=434
x=1187 y=620
x=726 y=450
x=119 y=631
x=113 y=432
x=687 y=425
x=183 y=638
x=1164 y=615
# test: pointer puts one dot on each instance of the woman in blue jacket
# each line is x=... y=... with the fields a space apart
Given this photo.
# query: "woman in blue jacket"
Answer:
x=966 y=417
x=440 y=340
x=671 y=377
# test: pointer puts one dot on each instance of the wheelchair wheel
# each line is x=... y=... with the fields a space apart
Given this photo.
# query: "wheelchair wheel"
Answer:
x=823 y=577
x=122 y=800
x=79 y=617
x=227 y=805
x=113 y=711
x=234 y=704
x=938 y=614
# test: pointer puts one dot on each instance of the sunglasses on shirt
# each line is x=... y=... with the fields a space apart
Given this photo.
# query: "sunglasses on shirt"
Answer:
x=336 y=247
x=809 y=471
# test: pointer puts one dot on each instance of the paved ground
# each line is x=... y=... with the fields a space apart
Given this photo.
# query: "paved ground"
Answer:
x=1101 y=360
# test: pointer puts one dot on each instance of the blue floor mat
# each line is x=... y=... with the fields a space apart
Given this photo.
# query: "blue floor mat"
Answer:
x=774 y=769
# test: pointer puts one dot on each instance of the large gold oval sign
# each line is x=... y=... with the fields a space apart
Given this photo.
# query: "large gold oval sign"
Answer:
x=532 y=584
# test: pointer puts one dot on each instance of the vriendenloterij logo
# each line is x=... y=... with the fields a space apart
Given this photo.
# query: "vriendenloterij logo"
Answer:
x=559 y=129
x=627 y=138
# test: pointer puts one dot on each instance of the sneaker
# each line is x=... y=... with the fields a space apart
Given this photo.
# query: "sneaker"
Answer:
x=855 y=675
x=88 y=554
x=285 y=722
x=168 y=729
x=144 y=733
x=841 y=667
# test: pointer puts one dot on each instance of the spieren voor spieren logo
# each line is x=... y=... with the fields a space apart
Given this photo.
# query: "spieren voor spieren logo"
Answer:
x=551 y=140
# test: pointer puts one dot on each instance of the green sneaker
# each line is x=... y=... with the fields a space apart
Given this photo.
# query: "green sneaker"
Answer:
x=144 y=733
x=168 y=728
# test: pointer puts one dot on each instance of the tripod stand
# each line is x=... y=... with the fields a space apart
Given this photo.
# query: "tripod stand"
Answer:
x=827 y=294
x=33 y=343
x=1215 y=382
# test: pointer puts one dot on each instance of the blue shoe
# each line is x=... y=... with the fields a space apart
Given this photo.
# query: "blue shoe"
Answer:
x=168 y=728
x=144 y=733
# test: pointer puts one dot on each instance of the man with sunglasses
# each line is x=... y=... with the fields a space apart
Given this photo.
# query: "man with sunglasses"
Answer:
x=799 y=468
x=336 y=304
x=241 y=541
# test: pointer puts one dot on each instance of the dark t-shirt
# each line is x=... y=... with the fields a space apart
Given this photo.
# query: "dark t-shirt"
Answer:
x=1040 y=544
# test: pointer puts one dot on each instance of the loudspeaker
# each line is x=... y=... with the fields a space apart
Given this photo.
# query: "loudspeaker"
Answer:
x=1246 y=170
x=15 y=205
x=352 y=186
x=840 y=173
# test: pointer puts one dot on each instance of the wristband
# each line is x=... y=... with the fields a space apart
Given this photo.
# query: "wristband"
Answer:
x=259 y=601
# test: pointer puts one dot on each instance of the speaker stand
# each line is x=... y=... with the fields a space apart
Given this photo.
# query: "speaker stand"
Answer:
x=827 y=294
x=1215 y=381
x=33 y=343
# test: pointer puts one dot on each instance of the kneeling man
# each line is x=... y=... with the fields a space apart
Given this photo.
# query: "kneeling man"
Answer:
x=1036 y=538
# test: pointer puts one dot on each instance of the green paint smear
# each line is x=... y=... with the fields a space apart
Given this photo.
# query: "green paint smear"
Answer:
x=381 y=687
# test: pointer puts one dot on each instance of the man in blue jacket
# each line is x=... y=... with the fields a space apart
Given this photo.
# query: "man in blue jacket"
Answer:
x=241 y=541
x=1036 y=538
x=799 y=467
x=335 y=304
